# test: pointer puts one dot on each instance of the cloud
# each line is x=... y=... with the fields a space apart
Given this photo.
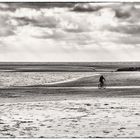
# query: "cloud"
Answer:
x=128 y=40
x=71 y=31
x=125 y=10
x=6 y=7
x=9 y=6
x=5 y=28
x=94 y=7
x=41 y=18
x=88 y=7
x=127 y=29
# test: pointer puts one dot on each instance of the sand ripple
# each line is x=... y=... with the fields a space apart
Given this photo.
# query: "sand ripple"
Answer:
x=98 y=117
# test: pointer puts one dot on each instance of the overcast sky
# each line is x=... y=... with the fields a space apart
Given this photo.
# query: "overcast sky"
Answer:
x=69 y=32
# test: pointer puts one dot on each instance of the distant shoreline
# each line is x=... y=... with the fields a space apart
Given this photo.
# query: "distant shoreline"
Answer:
x=67 y=66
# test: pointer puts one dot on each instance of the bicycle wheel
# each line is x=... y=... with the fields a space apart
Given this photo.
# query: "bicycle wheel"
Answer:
x=104 y=85
x=100 y=85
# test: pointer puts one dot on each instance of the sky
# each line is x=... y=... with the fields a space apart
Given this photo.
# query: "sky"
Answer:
x=69 y=32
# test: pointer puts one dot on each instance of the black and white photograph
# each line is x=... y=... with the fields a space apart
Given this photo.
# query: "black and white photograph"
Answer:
x=70 y=69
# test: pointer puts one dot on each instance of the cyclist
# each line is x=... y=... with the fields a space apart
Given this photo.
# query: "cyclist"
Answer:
x=101 y=81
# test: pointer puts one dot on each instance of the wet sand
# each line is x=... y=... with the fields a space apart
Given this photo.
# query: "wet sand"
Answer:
x=31 y=94
x=74 y=108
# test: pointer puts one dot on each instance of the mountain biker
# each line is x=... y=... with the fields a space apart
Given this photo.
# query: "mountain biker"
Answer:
x=102 y=80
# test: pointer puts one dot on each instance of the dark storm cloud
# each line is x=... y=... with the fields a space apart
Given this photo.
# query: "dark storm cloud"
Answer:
x=93 y=7
x=121 y=14
x=6 y=7
x=122 y=10
x=125 y=10
x=82 y=7
x=35 y=5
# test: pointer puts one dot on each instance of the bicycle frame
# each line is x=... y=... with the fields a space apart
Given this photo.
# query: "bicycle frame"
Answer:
x=101 y=85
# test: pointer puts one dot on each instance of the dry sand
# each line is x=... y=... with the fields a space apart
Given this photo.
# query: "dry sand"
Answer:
x=96 y=117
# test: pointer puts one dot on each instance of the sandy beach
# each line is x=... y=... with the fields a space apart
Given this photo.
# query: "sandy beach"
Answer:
x=70 y=106
x=96 y=117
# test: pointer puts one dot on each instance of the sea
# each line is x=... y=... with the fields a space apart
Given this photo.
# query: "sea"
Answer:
x=64 y=66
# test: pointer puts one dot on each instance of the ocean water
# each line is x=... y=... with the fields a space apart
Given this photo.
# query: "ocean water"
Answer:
x=64 y=66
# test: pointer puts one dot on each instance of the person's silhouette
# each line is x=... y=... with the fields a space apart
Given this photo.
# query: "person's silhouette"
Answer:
x=102 y=80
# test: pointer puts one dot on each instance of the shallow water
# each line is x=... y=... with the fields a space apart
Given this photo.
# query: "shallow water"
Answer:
x=38 y=78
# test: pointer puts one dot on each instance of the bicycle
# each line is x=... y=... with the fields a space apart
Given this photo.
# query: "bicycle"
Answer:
x=102 y=85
